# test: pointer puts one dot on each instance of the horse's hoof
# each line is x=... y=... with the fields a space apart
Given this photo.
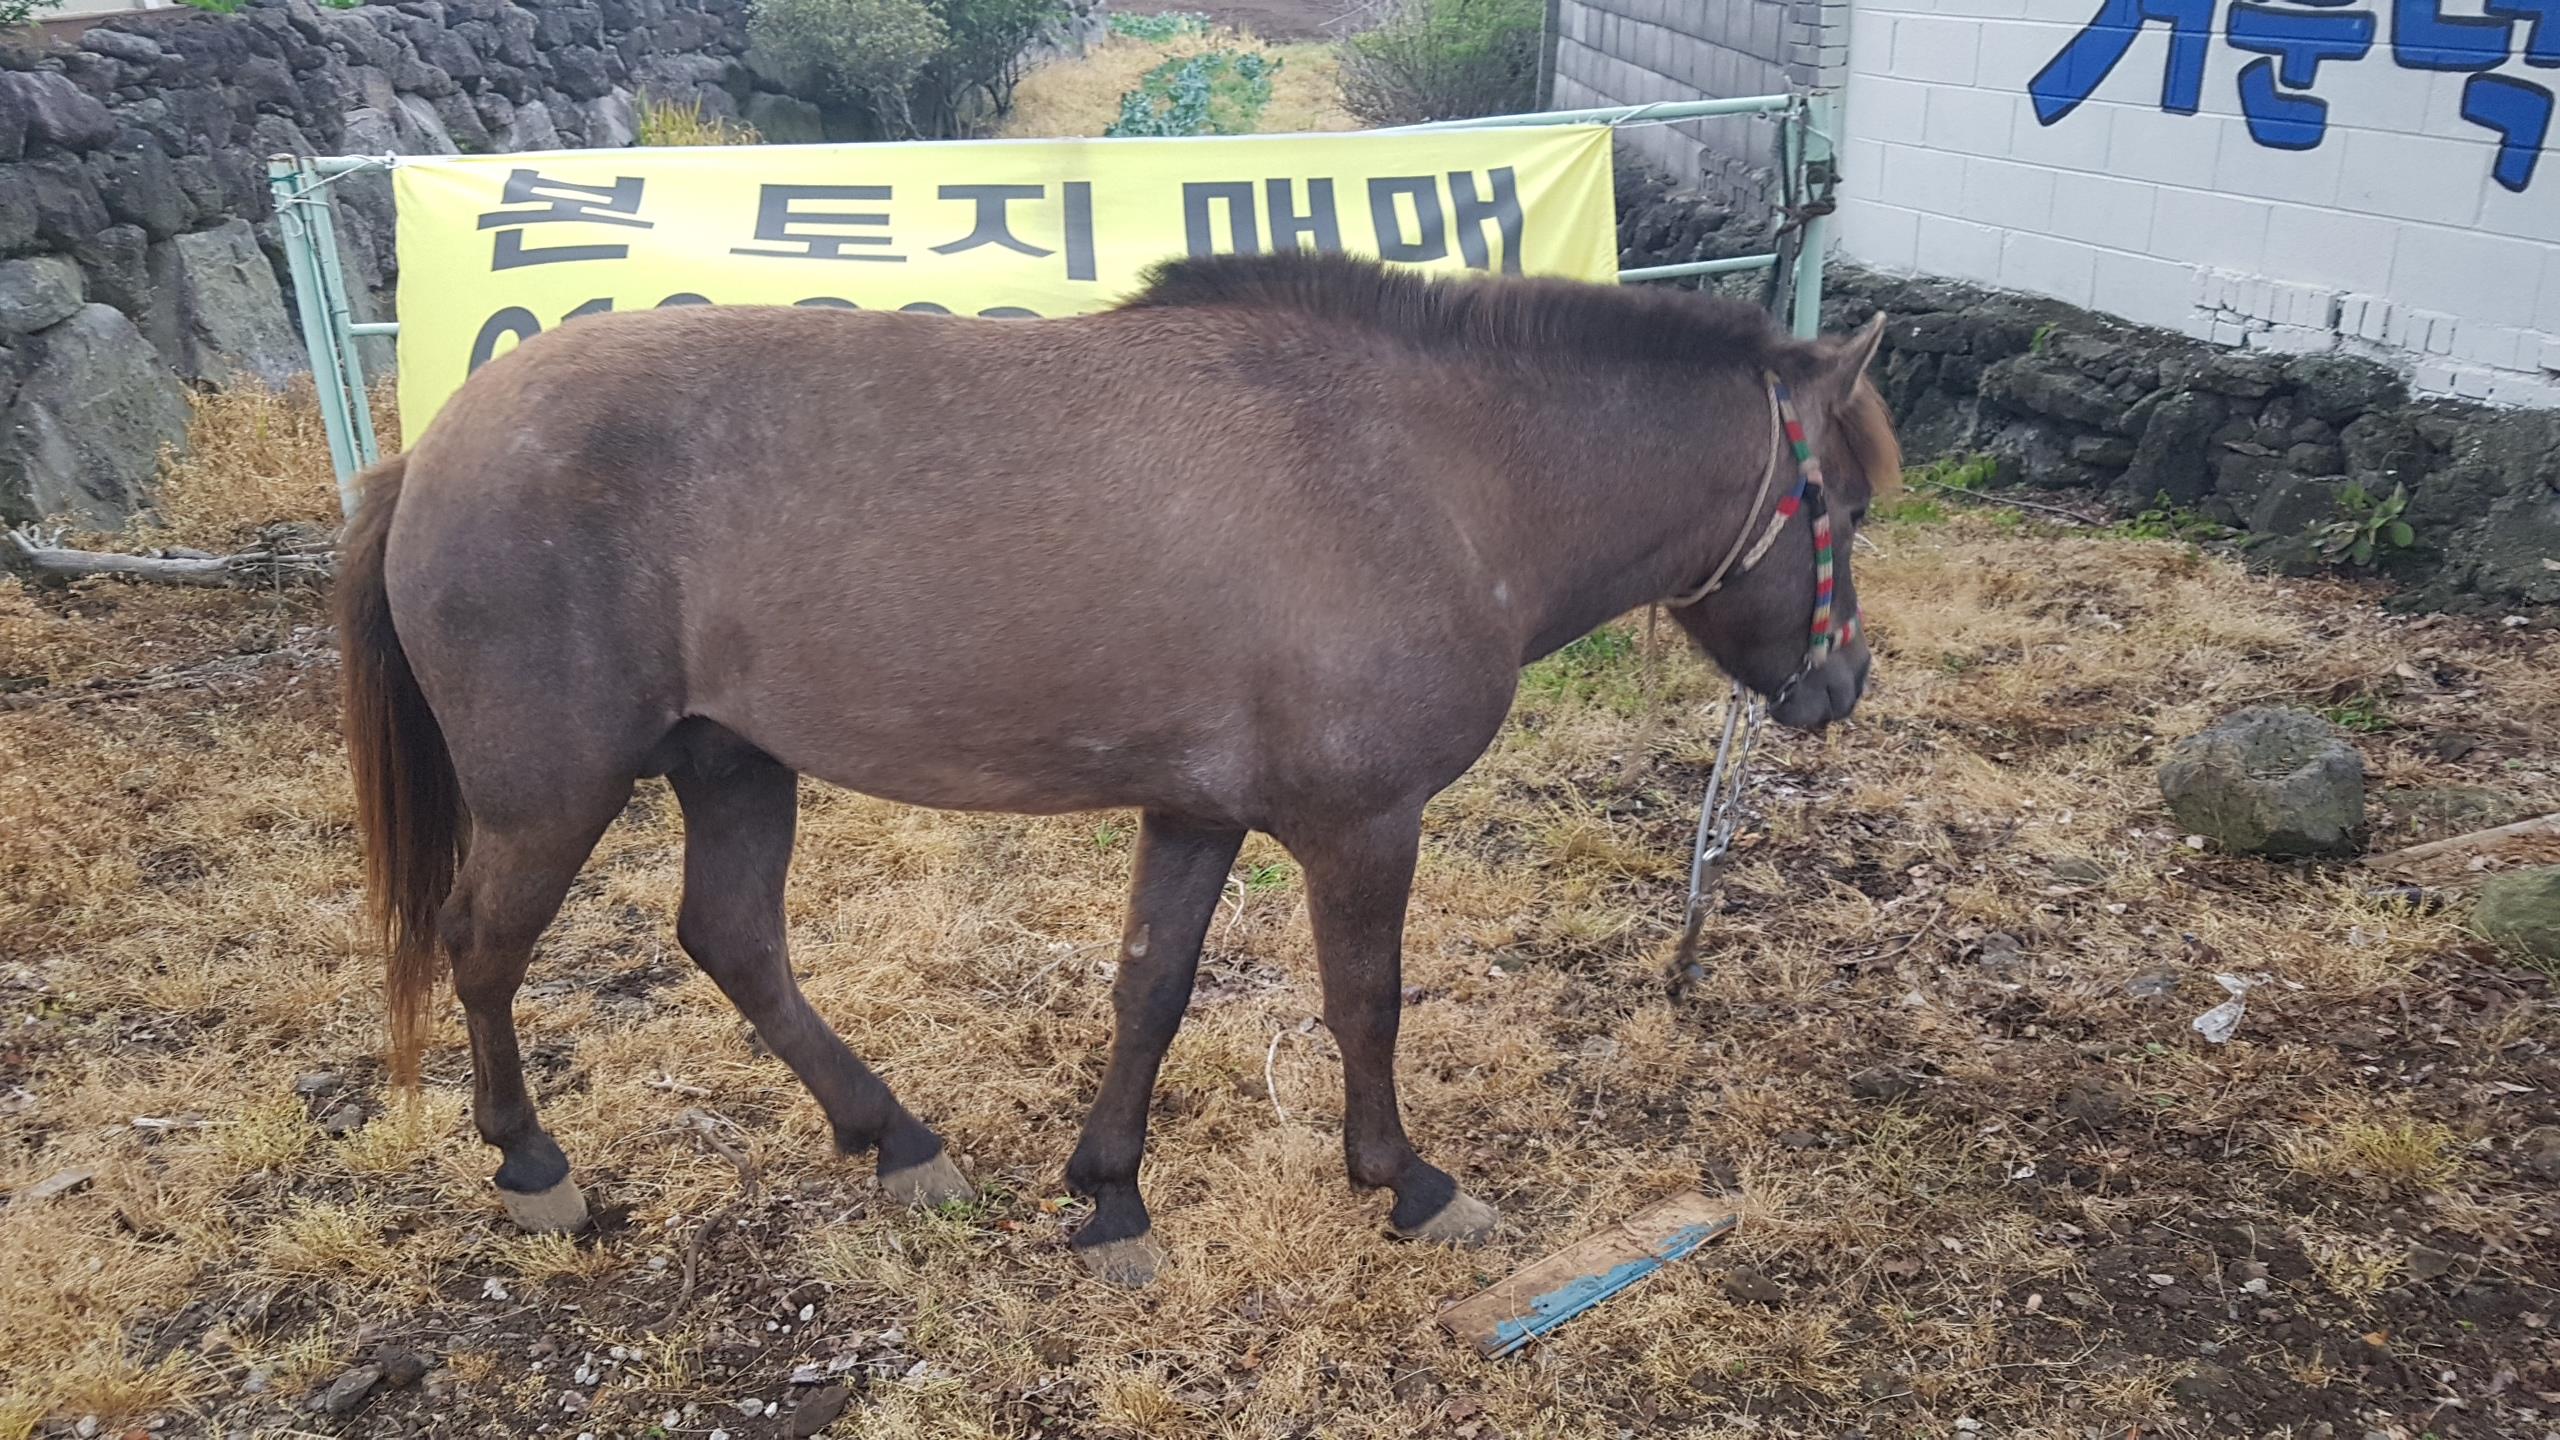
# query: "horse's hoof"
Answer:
x=935 y=1182
x=1464 y=1222
x=560 y=1210
x=1131 y=1264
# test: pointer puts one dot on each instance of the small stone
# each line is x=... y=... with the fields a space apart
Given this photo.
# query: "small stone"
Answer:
x=257 y=1381
x=318 y=1083
x=87 y=1429
x=2538 y=1153
x=2428 y=1263
x=751 y=1407
x=1752 y=1287
x=59 y=1184
x=2175 y=1298
x=2154 y=984
x=2203 y=1386
x=346 y=1120
x=1884 y=1083
x=1880 y=1384
x=2094 y=1102
x=348 y=1391
x=1799 y=1139
x=402 y=1368
x=819 y=1411
x=2078 y=870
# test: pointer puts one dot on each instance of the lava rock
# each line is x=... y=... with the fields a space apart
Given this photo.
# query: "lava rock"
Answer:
x=1752 y=1287
x=348 y=1392
x=38 y=291
x=819 y=1411
x=1884 y=1083
x=2520 y=909
x=2268 y=781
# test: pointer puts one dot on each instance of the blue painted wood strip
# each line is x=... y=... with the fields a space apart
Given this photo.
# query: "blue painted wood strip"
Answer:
x=1552 y=1309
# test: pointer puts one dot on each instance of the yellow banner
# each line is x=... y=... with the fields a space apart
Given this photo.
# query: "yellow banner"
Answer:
x=495 y=249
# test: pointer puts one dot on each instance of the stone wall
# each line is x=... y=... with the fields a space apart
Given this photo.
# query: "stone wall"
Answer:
x=137 y=248
x=2265 y=443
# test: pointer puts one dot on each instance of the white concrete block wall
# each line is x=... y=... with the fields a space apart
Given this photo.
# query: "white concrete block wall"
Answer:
x=2388 y=238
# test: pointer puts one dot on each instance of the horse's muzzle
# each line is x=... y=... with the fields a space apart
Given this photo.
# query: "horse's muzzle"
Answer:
x=1826 y=693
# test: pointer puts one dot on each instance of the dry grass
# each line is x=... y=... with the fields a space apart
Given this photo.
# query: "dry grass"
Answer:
x=664 y=122
x=1958 y=884
x=1082 y=97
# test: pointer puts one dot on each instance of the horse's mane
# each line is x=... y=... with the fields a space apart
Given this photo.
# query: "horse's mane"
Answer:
x=1627 y=324
x=1630 y=324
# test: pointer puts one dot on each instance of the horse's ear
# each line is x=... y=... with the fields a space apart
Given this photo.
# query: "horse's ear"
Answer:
x=1846 y=358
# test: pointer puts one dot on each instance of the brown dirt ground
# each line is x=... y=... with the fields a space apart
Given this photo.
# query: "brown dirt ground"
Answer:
x=1991 y=1183
x=1280 y=19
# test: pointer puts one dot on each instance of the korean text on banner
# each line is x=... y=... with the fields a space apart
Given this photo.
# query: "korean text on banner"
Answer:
x=494 y=249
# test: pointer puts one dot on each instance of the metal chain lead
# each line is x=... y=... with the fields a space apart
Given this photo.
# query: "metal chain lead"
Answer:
x=1719 y=818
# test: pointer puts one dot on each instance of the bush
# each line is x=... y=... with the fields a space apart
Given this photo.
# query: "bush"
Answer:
x=1444 y=60
x=973 y=77
x=921 y=68
x=866 y=53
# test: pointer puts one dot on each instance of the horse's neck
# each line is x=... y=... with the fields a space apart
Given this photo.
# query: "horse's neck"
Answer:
x=1617 y=494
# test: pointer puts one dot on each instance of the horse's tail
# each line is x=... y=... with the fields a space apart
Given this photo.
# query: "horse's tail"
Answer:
x=408 y=803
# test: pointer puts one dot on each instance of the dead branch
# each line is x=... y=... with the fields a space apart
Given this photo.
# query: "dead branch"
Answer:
x=264 y=568
x=2472 y=840
x=2074 y=516
x=712 y=1130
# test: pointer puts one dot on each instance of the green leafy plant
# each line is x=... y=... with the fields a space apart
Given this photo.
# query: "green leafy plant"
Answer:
x=1956 y=472
x=2366 y=526
x=2166 y=519
x=2363 y=714
x=1444 y=59
x=216 y=7
x=2042 y=338
x=1216 y=93
x=1159 y=28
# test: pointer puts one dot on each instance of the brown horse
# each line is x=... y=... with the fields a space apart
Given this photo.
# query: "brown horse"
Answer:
x=1265 y=548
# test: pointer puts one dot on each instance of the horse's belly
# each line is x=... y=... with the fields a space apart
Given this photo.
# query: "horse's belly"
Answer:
x=942 y=770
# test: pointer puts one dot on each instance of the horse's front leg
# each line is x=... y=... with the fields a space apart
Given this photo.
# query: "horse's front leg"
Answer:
x=1181 y=872
x=1359 y=879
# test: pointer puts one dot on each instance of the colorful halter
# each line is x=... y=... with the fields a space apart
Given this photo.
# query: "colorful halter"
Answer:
x=1807 y=489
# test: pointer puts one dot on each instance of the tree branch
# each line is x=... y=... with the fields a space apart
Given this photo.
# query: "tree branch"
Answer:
x=38 y=555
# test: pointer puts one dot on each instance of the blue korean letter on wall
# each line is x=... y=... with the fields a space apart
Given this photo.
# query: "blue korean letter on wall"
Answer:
x=2292 y=40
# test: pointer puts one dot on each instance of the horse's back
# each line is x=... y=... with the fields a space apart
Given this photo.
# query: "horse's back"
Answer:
x=1079 y=549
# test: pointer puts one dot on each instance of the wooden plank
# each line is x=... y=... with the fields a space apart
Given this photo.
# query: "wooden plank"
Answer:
x=1548 y=1292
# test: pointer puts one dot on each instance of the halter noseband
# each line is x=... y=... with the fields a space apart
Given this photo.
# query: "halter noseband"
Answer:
x=1789 y=428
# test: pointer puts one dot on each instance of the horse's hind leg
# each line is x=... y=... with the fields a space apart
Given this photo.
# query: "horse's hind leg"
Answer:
x=1359 y=879
x=511 y=883
x=740 y=810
